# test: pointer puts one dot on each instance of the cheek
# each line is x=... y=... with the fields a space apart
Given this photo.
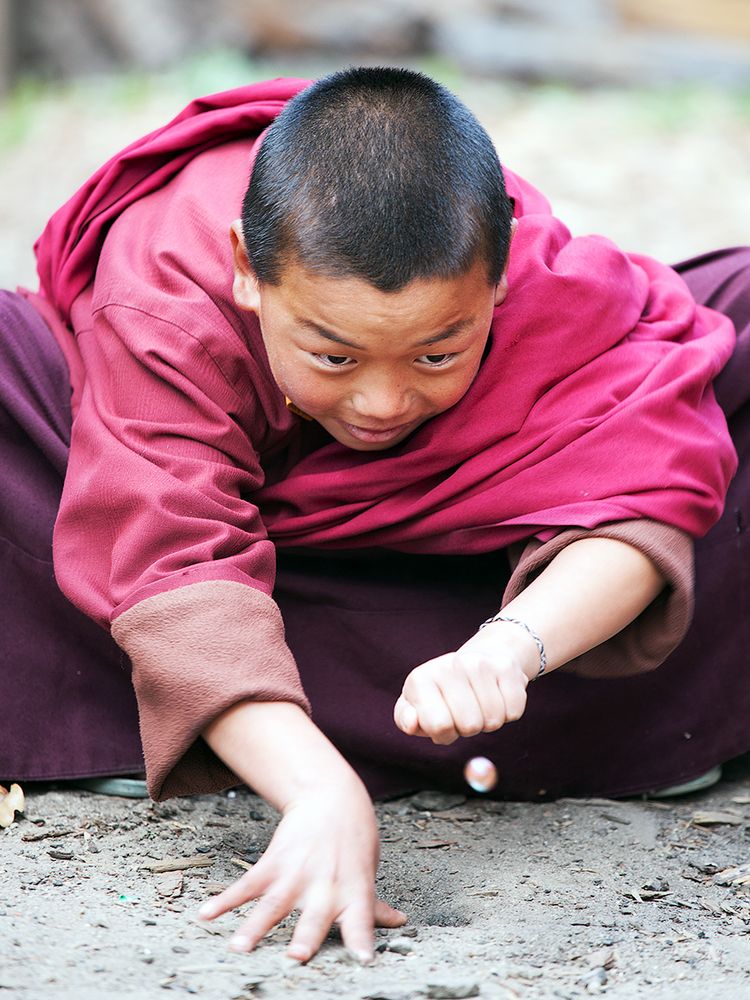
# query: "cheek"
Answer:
x=452 y=388
x=308 y=390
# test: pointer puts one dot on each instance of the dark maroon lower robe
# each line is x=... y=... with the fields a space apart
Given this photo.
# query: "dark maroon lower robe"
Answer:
x=358 y=624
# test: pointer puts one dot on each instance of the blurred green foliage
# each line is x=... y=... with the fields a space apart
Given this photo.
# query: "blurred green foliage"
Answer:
x=664 y=109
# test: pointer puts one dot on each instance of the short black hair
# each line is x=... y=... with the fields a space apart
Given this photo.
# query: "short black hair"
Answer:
x=380 y=174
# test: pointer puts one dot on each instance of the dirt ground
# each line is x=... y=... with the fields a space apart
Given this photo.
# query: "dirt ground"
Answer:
x=563 y=899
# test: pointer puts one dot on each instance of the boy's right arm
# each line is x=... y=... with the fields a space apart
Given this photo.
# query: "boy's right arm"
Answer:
x=324 y=854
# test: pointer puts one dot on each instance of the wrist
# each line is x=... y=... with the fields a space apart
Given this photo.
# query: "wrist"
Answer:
x=524 y=645
x=276 y=749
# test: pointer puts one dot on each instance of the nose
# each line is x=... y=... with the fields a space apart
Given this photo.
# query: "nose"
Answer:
x=383 y=402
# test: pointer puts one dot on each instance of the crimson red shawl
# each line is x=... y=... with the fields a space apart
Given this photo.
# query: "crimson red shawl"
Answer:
x=593 y=403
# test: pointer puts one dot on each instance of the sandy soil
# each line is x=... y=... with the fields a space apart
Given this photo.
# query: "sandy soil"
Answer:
x=507 y=900
x=562 y=899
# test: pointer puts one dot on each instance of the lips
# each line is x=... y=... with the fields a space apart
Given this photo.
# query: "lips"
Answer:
x=372 y=435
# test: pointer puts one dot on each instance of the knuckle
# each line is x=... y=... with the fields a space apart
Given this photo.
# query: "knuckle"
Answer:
x=515 y=711
x=441 y=729
x=517 y=704
x=470 y=728
x=443 y=737
x=492 y=723
x=275 y=902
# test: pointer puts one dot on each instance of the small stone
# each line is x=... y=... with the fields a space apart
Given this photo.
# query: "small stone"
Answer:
x=387 y=993
x=594 y=980
x=444 y=918
x=430 y=801
x=409 y=932
x=400 y=945
x=179 y=950
x=452 y=991
x=657 y=884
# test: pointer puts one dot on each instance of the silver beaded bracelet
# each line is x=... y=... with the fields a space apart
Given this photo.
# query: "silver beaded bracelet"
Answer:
x=539 y=644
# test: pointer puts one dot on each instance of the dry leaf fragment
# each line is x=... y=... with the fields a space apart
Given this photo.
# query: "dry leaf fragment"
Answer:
x=428 y=845
x=716 y=818
x=604 y=958
x=734 y=876
x=30 y=838
x=170 y=884
x=11 y=802
x=178 y=864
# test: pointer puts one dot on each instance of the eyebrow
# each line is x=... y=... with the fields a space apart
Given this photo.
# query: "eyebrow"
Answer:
x=450 y=331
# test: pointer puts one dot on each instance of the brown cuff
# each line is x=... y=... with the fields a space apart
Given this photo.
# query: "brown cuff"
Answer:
x=197 y=651
x=658 y=630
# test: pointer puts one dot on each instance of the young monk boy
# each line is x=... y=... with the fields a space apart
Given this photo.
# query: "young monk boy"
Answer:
x=324 y=428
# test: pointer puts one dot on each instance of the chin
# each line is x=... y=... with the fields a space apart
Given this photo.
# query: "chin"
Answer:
x=371 y=445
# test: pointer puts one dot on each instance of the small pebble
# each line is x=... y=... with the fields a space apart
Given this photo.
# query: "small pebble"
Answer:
x=400 y=945
x=435 y=801
x=178 y=949
x=387 y=993
x=452 y=991
x=593 y=980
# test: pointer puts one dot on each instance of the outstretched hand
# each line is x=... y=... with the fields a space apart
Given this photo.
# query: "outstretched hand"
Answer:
x=322 y=861
x=476 y=689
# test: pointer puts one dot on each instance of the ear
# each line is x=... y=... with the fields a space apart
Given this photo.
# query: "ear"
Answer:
x=502 y=286
x=245 y=287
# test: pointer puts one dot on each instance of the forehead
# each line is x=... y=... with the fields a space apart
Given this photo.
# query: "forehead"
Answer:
x=426 y=307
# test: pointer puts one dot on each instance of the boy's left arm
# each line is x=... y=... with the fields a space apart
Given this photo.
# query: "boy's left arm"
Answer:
x=591 y=589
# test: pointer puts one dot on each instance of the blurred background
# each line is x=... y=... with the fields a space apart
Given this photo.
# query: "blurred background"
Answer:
x=633 y=116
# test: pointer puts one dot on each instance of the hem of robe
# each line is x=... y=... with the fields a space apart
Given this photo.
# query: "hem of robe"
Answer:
x=196 y=651
x=656 y=632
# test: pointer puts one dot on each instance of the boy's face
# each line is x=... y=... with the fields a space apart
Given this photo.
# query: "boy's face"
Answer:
x=370 y=366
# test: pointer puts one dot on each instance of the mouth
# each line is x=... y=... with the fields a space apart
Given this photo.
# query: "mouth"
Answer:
x=373 y=435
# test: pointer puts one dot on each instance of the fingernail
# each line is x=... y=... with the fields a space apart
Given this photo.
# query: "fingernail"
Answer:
x=239 y=943
x=206 y=911
x=365 y=957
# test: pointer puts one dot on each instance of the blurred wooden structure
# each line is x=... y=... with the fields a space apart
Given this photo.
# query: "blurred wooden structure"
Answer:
x=583 y=42
x=719 y=18
x=6 y=70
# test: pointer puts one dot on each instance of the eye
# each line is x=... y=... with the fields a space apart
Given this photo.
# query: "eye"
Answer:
x=333 y=360
x=436 y=360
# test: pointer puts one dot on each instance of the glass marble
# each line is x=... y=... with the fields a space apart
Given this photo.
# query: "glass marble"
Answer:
x=480 y=774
